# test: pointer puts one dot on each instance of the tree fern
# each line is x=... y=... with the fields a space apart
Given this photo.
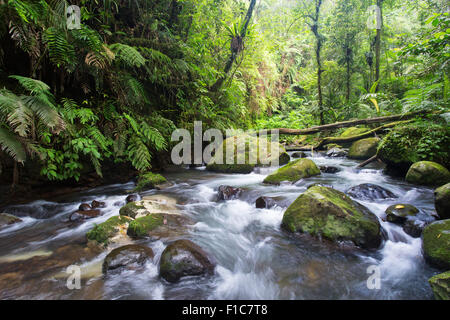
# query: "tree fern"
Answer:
x=10 y=144
x=127 y=55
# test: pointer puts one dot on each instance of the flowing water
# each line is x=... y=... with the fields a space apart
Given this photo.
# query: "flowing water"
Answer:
x=255 y=258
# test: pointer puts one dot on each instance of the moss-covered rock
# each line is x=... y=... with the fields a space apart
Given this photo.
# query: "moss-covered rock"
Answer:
x=293 y=171
x=126 y=256
x=149 y=180
x=8 y=219
x=184 y=258
x=328 y=213
x=442 y=201
x=436 y=243
x=148 y=205
x=353 y=131
x=428 y=173
x=399 y=213
x=273 y=151
x=440 y=284
x=158 y=225
x=104 y=232
x=407 y=144
x=363 y=149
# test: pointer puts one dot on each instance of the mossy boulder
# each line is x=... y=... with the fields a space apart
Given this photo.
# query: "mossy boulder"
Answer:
x=363 y=149
x=158 y=225
x=440 y=284
x=274 y=153
x=184 y=258
x=399 y=213
x=293 y=171
x=103 y=233
x=328 y=213
x=149 y=180
x=442 y=201
x=148 y=205
x=428 y=173
x=436 y=243
x=414 y=142
x=127 y=256
x=8 y=219
x=353 y=131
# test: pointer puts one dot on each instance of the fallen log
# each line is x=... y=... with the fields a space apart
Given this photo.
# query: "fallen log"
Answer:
x=365 y=163
x=367 y=134
x=350 y=123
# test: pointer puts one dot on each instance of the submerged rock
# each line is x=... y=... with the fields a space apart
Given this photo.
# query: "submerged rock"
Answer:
x=228 y=193
x=98 y=204
x=364 y=149
x=298 y=155
x=328 y=213
x=84 y=207
x=184 y=258
x=329 y=169
x=440 y=284
x=436 y=243
x=272 y=151
x=442 y=201
x=84 y=215
x=8 y=219
x=398 y=213
x=414 y=227
x=132 y=198
x=126 y=257
x=428 y=173
x=265 y=203
x=368 y=191
x=336 y=153
x=294 y=171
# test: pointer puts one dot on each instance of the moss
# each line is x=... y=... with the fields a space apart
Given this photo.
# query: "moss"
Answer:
x=363 y=149
x=441 y=286
x=442 y=201
x=353 y=131
x=103 y=232
x=407 y=144
x=428 y=173
x=130 y=209
x=142 y=226
x=322 y=211
x=436 y=243
x=293 y=171
x=251 y=143
x=148 y=181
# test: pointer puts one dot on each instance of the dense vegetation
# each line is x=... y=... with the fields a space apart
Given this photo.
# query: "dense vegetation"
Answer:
x=77 y=100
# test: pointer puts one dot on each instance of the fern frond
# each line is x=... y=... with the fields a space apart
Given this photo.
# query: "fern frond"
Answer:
x=32 y=85
x=139 y=155
x=127 y=55
x=12 y=146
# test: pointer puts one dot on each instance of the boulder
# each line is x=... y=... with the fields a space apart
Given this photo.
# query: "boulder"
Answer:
x=414 y=227
x=132 y=198
x=363 y=149
x=148 y=205
x=440 y=284
x=368 y=191
x=128 y=256
x=436 y=243
x=328 y=213
x=298 y=155
x=294 y=171
x=8 y=219
x=149 y=180
x=84 y=215
x=84 y=207
x=98 y=204
x=442 y=201
x=228 y=193
x=184 y=258
x=265 y=203
x=329 y=169
x=158 y=225
x=428 y=173
x=336 y=153
x=399 y=213
x=273 y=151
x=109 y=231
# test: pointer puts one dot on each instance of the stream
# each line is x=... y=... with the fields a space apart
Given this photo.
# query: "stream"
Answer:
x=255 y=258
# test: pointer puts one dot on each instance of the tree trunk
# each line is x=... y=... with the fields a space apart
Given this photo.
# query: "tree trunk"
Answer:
x=378 y=43
x=315 y=30
x=348 y=79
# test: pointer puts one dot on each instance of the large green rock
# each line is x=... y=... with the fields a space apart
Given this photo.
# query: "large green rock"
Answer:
x=440 y=284
x=275 y=152
x=331 y=214
x=184 y=258
x=442 y=201
x=103 y=233
x=436 y=243
x=293 y=171
x=363 y=149
x=410 y=143
x=428 y=173
x=149 y=180
x=399 y=213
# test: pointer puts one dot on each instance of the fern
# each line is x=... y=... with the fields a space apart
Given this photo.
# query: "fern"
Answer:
x=11 y=145
x=61 y=52
x=127 y=55
x=139 y=155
